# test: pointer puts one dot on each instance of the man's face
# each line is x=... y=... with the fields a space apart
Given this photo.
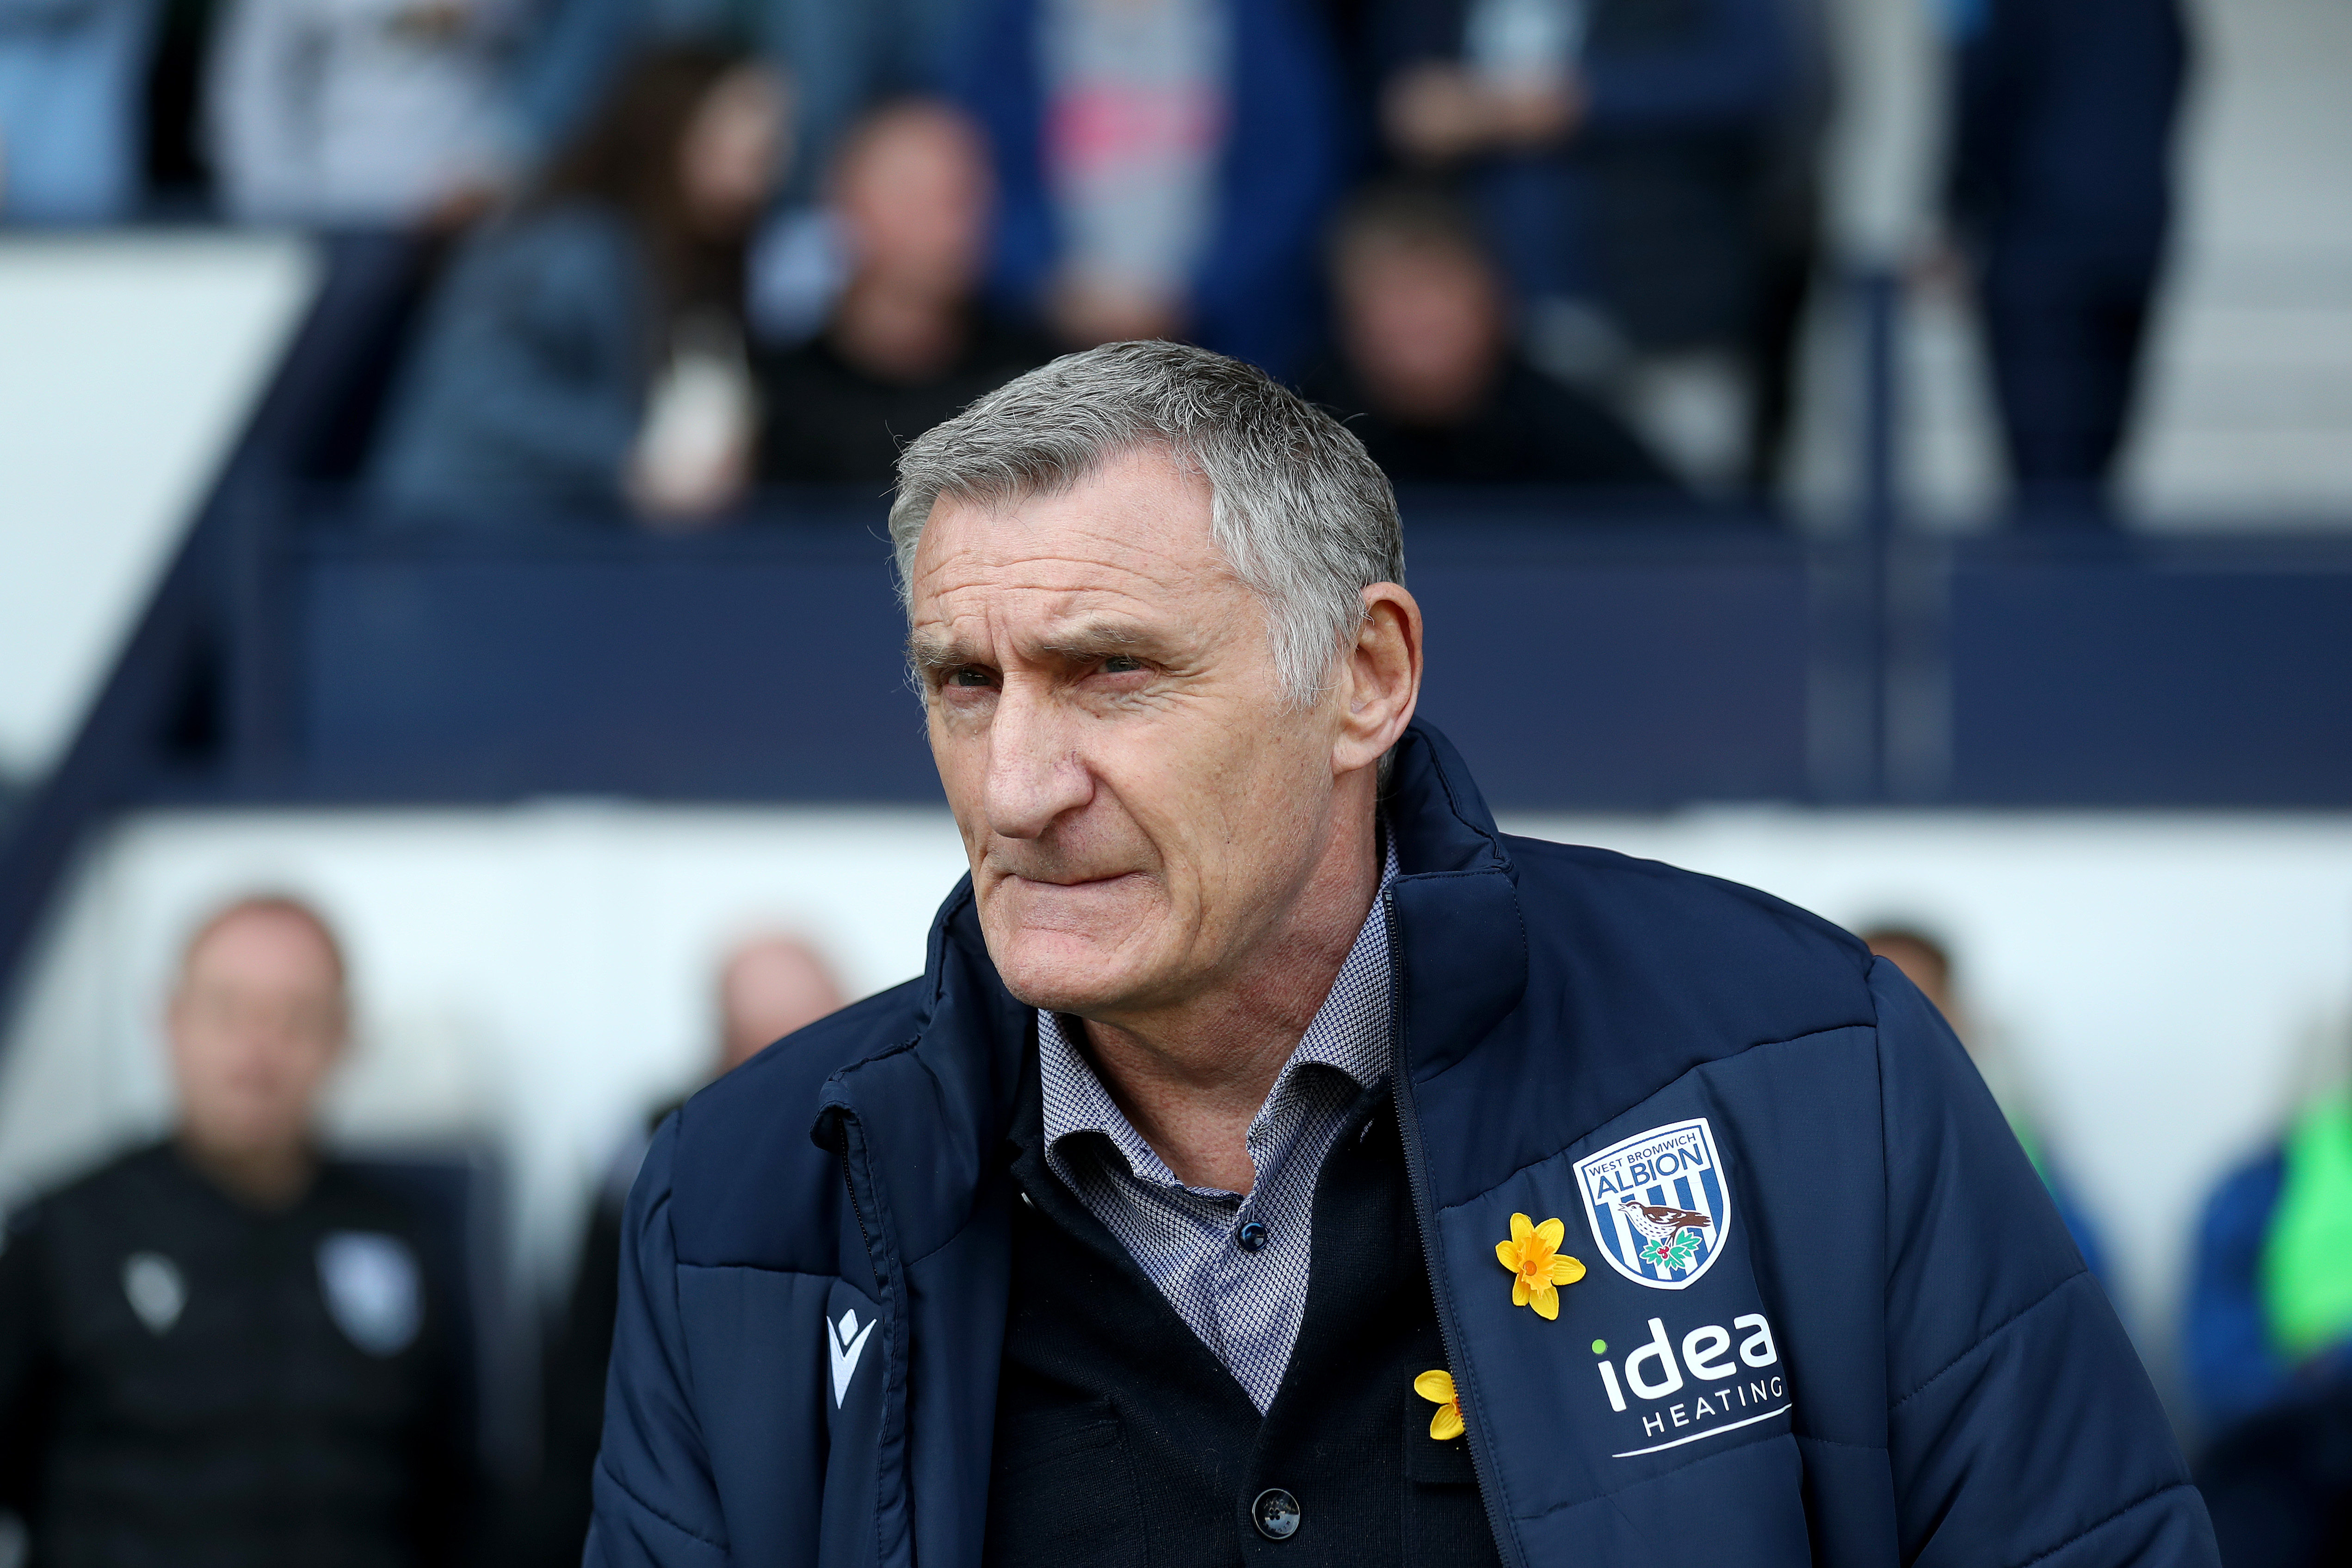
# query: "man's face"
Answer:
x=914 y=198
x=735 y=147
x=769 y=987
x=1139 y=803
x=254 y=1026
x=1422 y=325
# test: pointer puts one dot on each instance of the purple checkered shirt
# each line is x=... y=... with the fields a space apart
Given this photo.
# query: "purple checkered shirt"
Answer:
x=1245 y=1306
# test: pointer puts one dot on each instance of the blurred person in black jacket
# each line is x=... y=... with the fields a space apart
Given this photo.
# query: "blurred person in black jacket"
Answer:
x=1427 y=377
x=2062 y=185
x=768 y=985
x=907 y=343
x=226 y=1348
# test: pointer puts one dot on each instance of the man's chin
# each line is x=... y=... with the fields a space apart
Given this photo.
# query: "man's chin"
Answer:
x=1062 y=973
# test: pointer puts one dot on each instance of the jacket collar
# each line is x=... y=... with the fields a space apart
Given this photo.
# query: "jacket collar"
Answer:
x=935 y=1109
x=1462 y=946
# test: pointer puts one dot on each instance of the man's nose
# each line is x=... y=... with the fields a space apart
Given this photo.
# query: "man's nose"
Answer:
x=1034 y=772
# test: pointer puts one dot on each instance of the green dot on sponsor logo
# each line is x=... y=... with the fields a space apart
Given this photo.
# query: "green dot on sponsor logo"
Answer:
x=1601 y=1347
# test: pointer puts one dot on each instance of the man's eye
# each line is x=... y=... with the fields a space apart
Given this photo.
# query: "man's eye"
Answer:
x=970 y=678
x=1119 y=664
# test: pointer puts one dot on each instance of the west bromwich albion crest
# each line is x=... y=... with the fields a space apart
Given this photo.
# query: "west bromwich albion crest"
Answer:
x=1657 y=1204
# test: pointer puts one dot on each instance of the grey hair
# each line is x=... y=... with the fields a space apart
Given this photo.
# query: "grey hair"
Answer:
x=1300 y=510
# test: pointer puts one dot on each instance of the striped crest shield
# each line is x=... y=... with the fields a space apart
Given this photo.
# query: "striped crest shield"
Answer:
x=1658 y=1204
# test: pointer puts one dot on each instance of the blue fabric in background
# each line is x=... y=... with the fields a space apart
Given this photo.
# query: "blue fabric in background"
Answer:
x=2234 y=1370
x=1253 y=294
x=73 y=112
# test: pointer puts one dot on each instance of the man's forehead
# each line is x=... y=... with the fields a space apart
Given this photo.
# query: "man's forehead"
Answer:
x=1101 y=549
x=262 y=938
x=1086 y=625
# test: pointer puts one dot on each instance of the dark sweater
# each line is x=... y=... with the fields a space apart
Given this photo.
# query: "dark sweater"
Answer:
x=828 y=422
x=1529 y=430
x=1120 y=1441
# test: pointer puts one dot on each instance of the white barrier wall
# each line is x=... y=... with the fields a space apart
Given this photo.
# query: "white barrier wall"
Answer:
x=537 y=977
x=129 y=362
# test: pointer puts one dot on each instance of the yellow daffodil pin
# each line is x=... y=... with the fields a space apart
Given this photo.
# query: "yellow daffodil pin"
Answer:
x=1538 y=1268
x=1445 y=1423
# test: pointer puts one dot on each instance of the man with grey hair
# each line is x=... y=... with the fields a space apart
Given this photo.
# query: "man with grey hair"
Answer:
x=1275 y=1162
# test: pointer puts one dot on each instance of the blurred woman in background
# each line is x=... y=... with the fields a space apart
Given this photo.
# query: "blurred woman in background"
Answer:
x=586 y=351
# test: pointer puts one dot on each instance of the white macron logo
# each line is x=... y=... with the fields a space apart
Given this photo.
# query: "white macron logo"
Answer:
x=843 y=1343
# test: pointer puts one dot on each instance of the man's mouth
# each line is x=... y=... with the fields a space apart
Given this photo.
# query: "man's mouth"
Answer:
x=1069 y=879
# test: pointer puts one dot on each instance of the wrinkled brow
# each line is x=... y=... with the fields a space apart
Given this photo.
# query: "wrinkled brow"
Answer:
x=1080 y=643
x=930 y=655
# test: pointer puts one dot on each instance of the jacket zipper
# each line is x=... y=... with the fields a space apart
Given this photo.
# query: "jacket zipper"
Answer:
x=850 y=1128
x=849 y=1185
x=1424 y=1216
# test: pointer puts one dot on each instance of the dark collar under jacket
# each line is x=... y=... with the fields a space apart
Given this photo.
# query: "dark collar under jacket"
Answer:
x=1825 y=1313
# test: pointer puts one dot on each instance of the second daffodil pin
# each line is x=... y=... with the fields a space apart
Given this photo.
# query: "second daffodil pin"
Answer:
x=1446 y=1422
x=1538 y=1268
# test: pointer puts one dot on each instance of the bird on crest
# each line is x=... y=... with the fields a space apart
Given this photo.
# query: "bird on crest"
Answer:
x=1662 y=1222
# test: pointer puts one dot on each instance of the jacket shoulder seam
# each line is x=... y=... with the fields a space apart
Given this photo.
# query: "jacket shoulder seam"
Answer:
x=1648 y=1094
x=1988 y=1336
x=2097 y=1525
x=621 y=1487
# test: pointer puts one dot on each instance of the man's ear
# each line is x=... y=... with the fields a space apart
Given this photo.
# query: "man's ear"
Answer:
x=1379 y=678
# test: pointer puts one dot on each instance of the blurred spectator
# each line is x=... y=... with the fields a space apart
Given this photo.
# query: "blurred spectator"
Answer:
x=2270 y=1307
x=907 y=344
x=843 y=59
x=1926 y=962
x=1428 y=377
x=2268 y=1337
x=2062 y=185
x=360 y=112
x=72 y=123
x=767 y=986
x=226 y=1348
x=587 y=351
x=1165 y=167
x=1630 y=157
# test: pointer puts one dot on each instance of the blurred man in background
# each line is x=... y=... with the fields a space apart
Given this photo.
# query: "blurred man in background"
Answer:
x=1429 y=379
x=227 y=1348
x=907 y=343
x=1643 y=172
x=768 y=985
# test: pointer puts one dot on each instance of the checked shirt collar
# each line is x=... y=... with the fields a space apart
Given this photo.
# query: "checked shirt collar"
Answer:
x=1245 y=1307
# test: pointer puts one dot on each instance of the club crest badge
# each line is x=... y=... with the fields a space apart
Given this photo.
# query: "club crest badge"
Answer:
x=373 y=1290
x=157 y=1289
x=1658 y=1204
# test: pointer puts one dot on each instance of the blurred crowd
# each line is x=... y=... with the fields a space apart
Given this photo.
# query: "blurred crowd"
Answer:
x=233 y=1345
x=690 y=248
